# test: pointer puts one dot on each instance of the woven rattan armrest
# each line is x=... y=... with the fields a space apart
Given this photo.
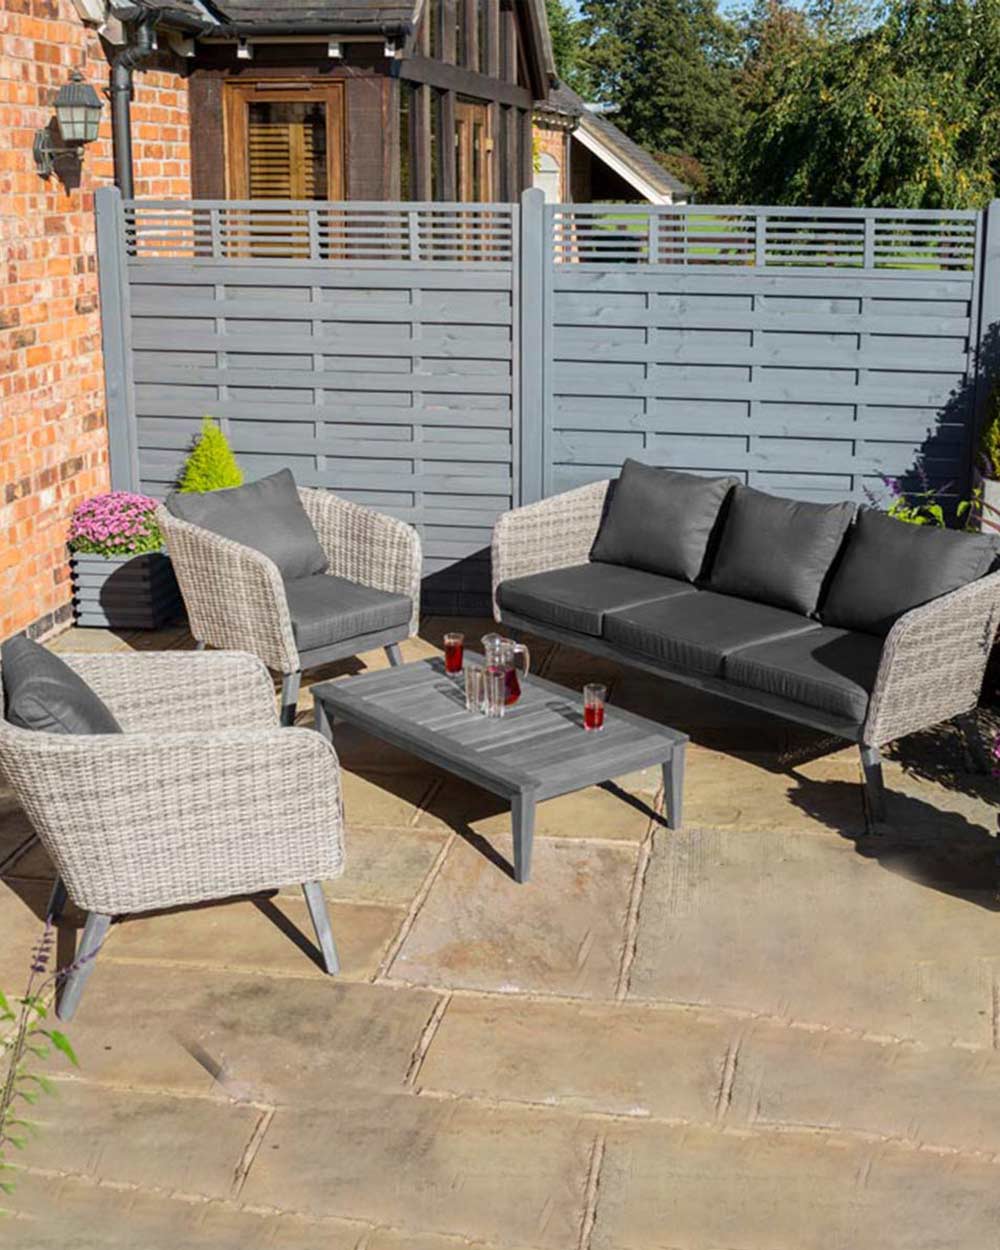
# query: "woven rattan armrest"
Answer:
x=366 y=546
x=933 y=662
x=551 y=534
x=148 y=820
x=172 y=691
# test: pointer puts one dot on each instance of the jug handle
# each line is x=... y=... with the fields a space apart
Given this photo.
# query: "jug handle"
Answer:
x=520 y=648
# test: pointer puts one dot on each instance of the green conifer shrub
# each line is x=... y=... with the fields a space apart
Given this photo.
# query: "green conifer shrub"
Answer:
x=989 y=441
x=211 y=464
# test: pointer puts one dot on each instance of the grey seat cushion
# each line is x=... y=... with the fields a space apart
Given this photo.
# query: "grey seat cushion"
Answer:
x=829 y=670
x=326 y=610
x=696 y=632
x=660 y=520
x=890 y=566
x=266 y=515
x=578 y=597
x=42 y=692
x=778 y=551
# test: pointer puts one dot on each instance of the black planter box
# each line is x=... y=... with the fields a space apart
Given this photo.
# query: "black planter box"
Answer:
x=125 y=592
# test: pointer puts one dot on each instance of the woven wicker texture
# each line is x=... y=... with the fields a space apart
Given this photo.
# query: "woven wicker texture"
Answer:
x=169 y=813
x=235 y=597
x=933 y=662
x=553 y=534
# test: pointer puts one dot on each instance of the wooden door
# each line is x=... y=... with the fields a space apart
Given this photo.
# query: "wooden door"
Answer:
x=284 y=140
x=473 y=146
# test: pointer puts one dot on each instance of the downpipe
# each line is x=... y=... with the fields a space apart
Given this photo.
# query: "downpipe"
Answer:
x=140 y=47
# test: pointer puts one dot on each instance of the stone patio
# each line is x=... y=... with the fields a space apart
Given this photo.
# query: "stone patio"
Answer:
x=765 y=1031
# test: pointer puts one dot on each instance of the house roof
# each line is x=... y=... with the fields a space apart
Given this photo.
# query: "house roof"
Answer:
x=632 y=161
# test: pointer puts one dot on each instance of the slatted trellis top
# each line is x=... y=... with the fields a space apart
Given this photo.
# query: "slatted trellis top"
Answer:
x=802 y=238
x=353 y=233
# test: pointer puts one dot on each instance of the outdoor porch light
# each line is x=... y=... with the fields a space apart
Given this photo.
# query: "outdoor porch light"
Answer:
x=78 y=112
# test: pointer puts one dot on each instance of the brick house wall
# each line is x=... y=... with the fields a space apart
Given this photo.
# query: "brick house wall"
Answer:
x=552 y=141
x=53 y=435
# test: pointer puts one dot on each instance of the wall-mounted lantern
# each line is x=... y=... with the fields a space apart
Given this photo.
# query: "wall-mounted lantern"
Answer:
x=78 y=113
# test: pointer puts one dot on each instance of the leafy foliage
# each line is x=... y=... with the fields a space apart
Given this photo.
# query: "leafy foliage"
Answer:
x=841 y=110
x=669 y=66
x=989 y=440
x=118 y=523
x=569 y=37
x=211 y=464
x=26 y=1038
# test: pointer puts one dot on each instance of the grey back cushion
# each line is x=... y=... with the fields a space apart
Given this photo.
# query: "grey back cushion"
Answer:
x=778 y=551
x=660 y=520
x=266 y=515
x=42 y=692
x=890 y=566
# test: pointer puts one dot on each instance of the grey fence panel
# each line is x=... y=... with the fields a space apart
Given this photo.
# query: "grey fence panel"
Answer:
x=378 y=362
x=807 y=352
x=445 y=362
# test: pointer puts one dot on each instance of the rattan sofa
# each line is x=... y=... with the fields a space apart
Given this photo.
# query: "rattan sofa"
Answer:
x=236 y=599
x=928 y=668
x=202 y=796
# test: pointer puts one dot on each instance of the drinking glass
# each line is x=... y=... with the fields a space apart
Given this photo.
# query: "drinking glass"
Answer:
x=474 y=688
x=454 y=650
x=494 y=693
x=593 y=706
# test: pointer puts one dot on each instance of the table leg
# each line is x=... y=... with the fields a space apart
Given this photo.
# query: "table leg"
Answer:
x=522 y=816
x=673 y=789
x=323 y=721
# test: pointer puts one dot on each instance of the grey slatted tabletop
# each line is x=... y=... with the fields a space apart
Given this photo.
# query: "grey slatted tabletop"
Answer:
x=538 y=750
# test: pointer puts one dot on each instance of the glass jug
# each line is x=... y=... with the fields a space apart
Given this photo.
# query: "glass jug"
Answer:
x=501 y=656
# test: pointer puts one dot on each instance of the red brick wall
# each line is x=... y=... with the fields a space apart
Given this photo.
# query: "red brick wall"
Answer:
x=53 y=437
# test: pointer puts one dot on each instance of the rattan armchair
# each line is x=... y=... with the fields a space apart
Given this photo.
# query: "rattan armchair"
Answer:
x=202 y=796
x=235 y=597
x=930 y=670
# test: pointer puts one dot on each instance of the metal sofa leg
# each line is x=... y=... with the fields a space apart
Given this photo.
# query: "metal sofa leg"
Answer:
x=393 y=652
x=871 y=762
x=94 y=933
x=290 y=696
x=316 y=903
x=199 y=644
x=57 y=900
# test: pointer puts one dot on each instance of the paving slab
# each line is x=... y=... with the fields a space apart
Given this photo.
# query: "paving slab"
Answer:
x=425 y=1165
x=16 y=832
x=70 y=1213
x=172 y=1142
x=665 y=1188
x=387 y=798
x=755 y=793
x=279 y=1041
x=614 y=813
x=806 y=929
x=272 y=935
x=560 y=933
x=383 y=865
x=945 y=1097
x=622 y=1060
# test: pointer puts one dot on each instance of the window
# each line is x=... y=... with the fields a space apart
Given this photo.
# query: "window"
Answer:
x=284 y=140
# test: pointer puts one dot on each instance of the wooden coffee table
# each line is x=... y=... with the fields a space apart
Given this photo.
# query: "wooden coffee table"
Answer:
x=538 y=750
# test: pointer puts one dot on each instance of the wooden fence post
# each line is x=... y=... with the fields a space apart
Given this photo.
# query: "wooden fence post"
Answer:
x=112 y=275
x=533 y=261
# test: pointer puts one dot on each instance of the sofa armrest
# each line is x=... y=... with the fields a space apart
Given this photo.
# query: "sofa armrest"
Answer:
x=366 y=546
x=552 y=534
x=933 y=662
x=172 y=691
x=134 y=822
x=234 y=595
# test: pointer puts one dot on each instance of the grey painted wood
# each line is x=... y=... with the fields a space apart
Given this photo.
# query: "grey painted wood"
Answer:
x=673 y=791
x=94 y=932
x=538 y=750
x=532 y=276
x=115 y=327
x=320 y=916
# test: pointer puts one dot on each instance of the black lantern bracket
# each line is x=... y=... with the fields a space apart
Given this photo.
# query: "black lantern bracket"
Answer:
x=77 y=121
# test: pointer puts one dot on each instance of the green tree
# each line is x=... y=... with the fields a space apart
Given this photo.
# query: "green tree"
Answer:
x=569 y=37
x=669 y=67
x=902 y=113
x=211 y=464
